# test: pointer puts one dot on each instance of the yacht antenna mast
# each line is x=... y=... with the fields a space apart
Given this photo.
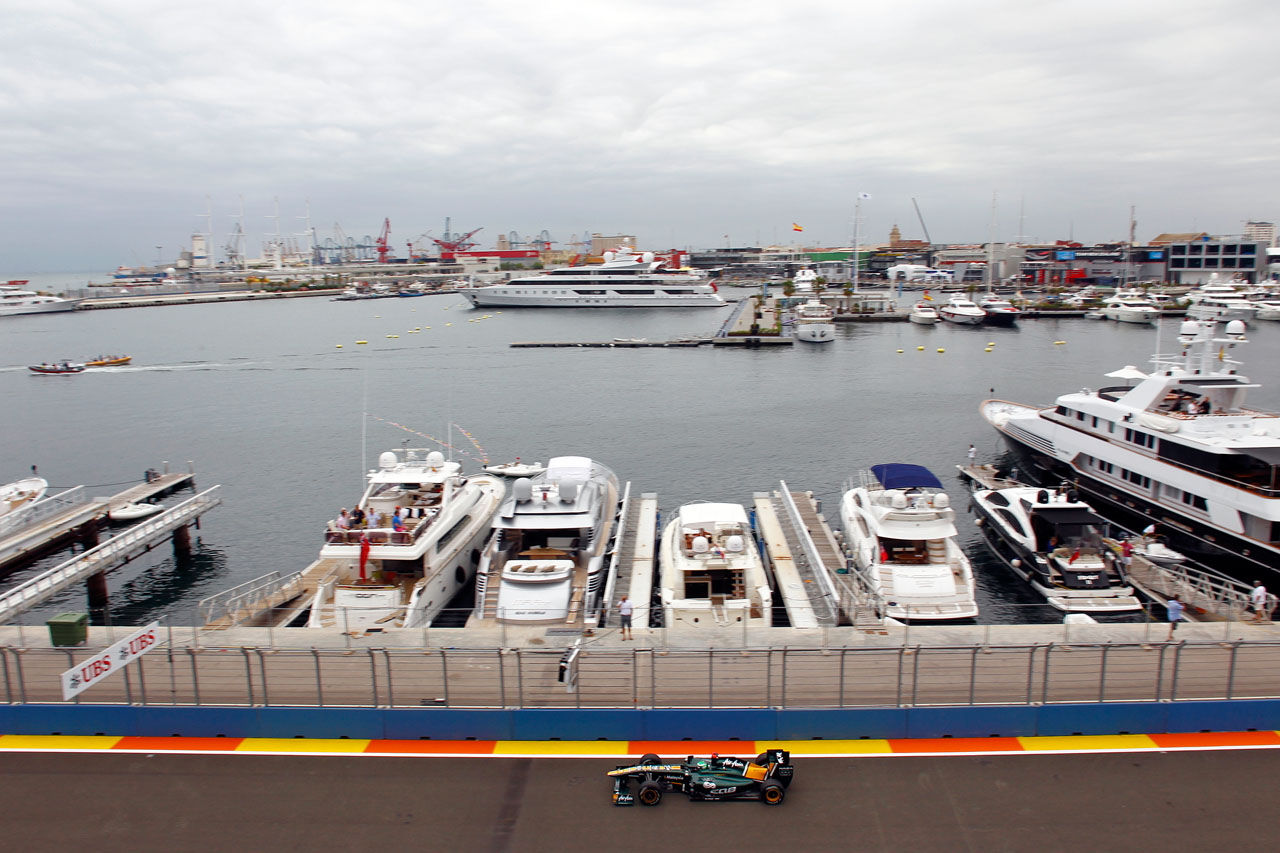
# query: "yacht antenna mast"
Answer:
x=991 y=243
x=857 y=256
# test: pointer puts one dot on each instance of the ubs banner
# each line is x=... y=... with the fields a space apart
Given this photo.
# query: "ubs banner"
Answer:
x=115 y=657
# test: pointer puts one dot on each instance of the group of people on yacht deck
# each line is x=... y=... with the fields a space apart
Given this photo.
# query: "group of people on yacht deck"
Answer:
x=358 y=519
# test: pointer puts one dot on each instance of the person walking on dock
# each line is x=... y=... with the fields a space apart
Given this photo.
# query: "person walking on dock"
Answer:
x=624 y=616
x=1258 y=599
x=1174 y=608
x=973 y=454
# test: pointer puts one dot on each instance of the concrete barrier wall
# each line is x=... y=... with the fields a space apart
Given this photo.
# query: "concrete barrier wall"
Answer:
x=653 y=724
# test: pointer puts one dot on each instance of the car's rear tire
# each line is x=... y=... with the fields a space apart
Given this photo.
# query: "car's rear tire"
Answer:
x=650 y=794
x=772 y=793
x=650 y=758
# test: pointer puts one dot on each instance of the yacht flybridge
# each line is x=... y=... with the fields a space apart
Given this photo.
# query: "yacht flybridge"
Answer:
x=711 y=570
x=1180 y=448
x=545 y=560
x=404 y=550
x=899 y=529
x=626 y=279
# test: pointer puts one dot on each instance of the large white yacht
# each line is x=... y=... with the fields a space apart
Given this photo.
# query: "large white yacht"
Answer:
x=14 y=300
x=380 y=572
x=900 y=533
x=1219 y=301
x=1180 y=447
x=999 y=312
x=805 y=280
x=963 y=311
x=814 y=321
x=1130 y=309
x=626 y=279
x=545 y=560
x=1054 y=542
x=710 y=569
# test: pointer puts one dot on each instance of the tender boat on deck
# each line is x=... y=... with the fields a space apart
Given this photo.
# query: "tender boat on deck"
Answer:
x=380 y=573
x=516 y=469
x=1054 y=541
x=545 y=558
x=20 y=494
x=711 y=572
x=900 y=534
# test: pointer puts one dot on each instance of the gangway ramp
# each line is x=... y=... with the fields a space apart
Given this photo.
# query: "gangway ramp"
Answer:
x=111 y=554
x=803 y=579
x=635 y=557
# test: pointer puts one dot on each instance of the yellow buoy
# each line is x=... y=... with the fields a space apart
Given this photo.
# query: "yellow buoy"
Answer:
x=428 y=328
x=919 y=349
x=393 y=336
x=448 y=324
x=1058 y=343
x=362 y=342
x=339 y=346
x=988 y=349
x=940 y=349
x=377 y=316
x=991 y=343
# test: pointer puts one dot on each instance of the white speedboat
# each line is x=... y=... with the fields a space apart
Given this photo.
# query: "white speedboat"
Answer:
x=377 y=572
x=924 y=313
x=814 y=321
x=133 y=511
x=899 y=530
x=626 y=279
x=1181 y=446
x=16 y=301
x=963 y=311
x=1054 y=542
x=999 y=312
x=516 y=469
x=1268 y=308
x=1130 y=309
x=710 y=569
x=20 y=494
x=545 y=558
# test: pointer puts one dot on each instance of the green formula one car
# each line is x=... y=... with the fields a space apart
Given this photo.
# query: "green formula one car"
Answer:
x=716 y=778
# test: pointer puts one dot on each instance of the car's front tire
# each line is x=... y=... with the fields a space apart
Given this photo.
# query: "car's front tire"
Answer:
x=650 y=794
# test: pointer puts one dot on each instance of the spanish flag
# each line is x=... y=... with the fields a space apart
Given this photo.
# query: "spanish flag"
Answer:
x=927 y=296
x=795 y=227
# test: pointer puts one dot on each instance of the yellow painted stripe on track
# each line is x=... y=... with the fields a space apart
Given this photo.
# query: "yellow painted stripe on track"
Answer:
x=58 y=741
x=826 y=747
x=285 y=744
x=1076 y=742
x=561 y=747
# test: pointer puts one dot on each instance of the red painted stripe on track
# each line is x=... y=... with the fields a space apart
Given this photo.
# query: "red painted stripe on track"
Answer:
x=1194 y=739
x=166 y=744
x=444 y=747
x=955 y=744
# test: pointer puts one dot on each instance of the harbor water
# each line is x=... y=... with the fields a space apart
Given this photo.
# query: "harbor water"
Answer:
x=263 y=400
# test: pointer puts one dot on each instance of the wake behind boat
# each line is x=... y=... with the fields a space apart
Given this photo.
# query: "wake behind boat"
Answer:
x=899 y=529
x=626 y=279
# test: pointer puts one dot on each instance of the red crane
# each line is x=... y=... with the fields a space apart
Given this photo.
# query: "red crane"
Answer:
x=451 y=243
x=383 y=242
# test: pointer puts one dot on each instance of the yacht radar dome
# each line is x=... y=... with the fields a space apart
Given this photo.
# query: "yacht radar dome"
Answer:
x=608 y=256
x=648 y=257
x=1188 y=329
x=941 y=501
x=387 y=459
x=1236 y=328
x=569 y=491
x=522 y=490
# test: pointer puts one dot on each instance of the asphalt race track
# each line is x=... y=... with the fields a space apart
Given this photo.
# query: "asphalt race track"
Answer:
x=1094 y=802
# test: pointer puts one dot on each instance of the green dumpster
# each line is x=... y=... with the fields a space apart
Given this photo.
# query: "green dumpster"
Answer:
x=69 y=629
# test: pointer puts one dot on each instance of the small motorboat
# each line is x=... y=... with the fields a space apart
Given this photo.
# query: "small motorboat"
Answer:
x=133 y=511
x=108 y=361
x=21 y=493
x=55 y=369
x=516 y=469
x=924 y=314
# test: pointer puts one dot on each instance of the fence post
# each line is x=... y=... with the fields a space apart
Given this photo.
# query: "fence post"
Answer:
x=142 y=679
x=973 y=672
x=1177 y=664
x=635 y=678
x=373 y=676
x=444 y=674
x=195 y=674
x=782 y=699
x=915 y=678
x=319 y=683
x=711 y=678
x=1044 y=685
x=842 y=654
x=519 y=680
x=248 y=675
x=1102 y=674
x=502 y=678
x=8 y=688
x=901 y=656
x=1160 y=673
x=128 y=687
x=262 y=670
x=391 y=698
x=1231 y=671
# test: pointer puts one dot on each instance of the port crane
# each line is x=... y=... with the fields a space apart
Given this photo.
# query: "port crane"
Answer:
x=450 y=242
x=383 y=242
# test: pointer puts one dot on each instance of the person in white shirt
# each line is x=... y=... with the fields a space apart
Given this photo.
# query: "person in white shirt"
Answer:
x=1258 y=600
x=624 y=615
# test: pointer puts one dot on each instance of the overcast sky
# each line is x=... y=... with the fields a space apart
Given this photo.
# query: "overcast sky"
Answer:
x=684 y=123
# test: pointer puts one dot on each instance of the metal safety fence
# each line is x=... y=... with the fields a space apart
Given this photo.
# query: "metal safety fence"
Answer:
x=892 y=677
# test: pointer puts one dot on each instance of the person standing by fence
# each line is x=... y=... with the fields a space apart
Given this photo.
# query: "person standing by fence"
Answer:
x=1174 y=608
x=1258 y=600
